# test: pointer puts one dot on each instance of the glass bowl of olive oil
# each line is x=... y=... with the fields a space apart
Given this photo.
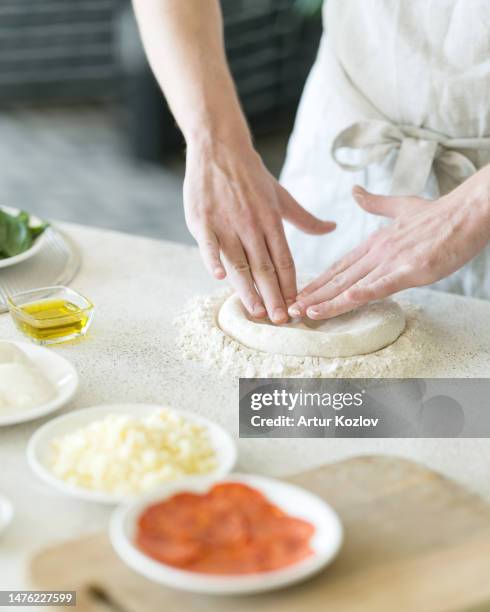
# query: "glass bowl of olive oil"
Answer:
x=50 y=315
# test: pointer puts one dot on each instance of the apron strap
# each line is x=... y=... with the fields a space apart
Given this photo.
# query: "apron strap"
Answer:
x=418 y=152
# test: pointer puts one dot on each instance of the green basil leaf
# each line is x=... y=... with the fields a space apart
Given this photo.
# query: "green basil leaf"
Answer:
x=23 y=216
x=15 y=237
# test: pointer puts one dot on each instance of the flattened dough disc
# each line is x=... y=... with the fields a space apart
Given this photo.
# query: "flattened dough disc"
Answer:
x=364 y=330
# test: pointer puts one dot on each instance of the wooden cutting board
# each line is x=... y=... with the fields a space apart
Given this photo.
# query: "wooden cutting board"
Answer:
x=413 y=541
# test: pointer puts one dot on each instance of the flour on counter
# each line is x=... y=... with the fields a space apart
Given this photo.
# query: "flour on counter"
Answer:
x=201 y=339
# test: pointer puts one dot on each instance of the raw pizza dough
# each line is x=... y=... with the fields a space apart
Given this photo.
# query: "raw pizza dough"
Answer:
x=364 y=330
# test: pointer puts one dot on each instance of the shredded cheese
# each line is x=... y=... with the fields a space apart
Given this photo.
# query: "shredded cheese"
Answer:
x=123 y=454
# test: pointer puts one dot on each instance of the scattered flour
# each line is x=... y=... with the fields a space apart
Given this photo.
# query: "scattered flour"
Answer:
x=200 y=338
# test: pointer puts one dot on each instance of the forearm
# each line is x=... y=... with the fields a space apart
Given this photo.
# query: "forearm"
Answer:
x=184 y=44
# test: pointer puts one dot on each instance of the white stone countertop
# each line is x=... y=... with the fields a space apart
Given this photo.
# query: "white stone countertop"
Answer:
x=138 y=285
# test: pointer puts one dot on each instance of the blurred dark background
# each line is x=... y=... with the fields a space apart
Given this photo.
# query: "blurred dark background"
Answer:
x=85 y=134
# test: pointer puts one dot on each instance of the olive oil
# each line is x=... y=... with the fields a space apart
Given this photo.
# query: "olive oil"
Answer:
x=52 y=319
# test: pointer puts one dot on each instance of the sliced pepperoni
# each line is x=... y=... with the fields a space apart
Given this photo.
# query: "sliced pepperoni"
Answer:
x=178 y=553
x=232 y=529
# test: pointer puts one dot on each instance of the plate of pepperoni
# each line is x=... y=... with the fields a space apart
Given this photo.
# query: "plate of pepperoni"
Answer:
x=241 y=534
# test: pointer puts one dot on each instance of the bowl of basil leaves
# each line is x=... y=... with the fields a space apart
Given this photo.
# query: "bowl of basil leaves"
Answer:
x=21 y=235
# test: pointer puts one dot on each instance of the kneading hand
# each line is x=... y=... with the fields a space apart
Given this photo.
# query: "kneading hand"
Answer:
x=427 y=241
x=234 y=209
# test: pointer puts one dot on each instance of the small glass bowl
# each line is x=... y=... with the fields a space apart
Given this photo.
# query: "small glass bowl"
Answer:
x=51 y=315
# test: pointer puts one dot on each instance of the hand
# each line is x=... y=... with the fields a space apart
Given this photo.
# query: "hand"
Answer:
x=234 y=209
x=427 y=241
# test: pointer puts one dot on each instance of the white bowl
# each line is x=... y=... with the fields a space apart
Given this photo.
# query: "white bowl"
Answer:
x=39 y=448
x=6 y=513
x=33 y=249
x=293 y=500
x=58 y=370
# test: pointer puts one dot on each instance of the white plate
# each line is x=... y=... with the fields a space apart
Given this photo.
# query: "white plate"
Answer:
x=6 y=513
x=36 y=245
x=58 y=370
x=39 y=447
x=293 y=500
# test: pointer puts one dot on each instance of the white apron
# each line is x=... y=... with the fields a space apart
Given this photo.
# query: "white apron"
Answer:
x=398 y=101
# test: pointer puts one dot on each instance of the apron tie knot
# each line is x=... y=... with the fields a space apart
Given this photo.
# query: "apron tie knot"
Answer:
x=418 y=151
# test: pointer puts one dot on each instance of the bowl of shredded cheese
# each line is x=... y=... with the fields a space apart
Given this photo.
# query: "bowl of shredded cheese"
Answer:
x=114 y=453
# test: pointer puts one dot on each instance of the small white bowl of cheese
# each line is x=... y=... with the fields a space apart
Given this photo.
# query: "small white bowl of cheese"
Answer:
x=115 y=453
x=34 y=382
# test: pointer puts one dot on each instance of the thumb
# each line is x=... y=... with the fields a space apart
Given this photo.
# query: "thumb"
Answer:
x=387 y=206
x=293 y=212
